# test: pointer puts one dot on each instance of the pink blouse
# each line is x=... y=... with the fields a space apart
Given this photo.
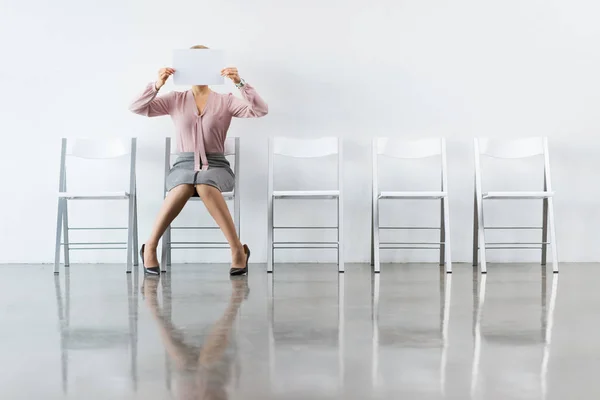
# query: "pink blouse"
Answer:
x=200 y=133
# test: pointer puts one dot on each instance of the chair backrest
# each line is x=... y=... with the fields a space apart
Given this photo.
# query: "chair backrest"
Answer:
x=512 y=148
x=98 y=148
x=421 y=148
x=408 y=149
x=305 y=148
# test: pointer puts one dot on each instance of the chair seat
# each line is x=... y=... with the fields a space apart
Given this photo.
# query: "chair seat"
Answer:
x=94 y=195
x=306 y=194
x=412 y=195
x=517 y=195
x=226 y=196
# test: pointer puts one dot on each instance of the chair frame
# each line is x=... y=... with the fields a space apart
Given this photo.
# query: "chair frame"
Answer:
x=333 y=195
x=62 y=220
x=167 y=244
x=548 y=222
x=444 y=244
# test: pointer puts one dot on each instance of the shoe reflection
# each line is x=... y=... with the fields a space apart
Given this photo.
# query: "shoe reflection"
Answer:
x=200 y=372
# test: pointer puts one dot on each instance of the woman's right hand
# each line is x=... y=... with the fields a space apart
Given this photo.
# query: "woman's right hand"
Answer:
x=163 y=75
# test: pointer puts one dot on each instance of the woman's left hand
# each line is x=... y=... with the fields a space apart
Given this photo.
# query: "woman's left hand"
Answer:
x=231 y=73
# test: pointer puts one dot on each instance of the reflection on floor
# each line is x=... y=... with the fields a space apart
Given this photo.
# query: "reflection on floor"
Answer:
x=305 y=332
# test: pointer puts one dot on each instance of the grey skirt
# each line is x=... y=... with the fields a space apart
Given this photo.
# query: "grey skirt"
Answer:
x=218 y=174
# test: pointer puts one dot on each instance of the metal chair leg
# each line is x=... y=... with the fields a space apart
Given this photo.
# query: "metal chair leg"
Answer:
x=481 y=235
x=475 y=233
x=442 y=234
x=372 y=238
x=66 y=232
x=130 y=234
x=59 y=224
x=340 y=230
x=447 y=240
x=169 y=247
x=553 y=235
x=236 y=215
x=545 y=231
x=164 y=253
x=136 y=249
x=376 y=258
x=271 y=250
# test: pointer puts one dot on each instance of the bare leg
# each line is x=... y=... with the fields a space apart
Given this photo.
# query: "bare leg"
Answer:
x=170 y=209
x=216 y=206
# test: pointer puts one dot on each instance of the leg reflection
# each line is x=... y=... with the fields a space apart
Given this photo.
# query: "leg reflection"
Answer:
x=205 y=372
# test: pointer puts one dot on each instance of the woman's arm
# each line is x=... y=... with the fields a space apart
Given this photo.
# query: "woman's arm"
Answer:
x=149 y=105
x=253 y=106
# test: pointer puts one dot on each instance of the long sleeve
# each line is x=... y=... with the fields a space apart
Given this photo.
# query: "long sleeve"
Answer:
x=253 y=106
x=151 y=105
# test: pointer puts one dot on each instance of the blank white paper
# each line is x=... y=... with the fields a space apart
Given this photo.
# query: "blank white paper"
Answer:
x=198 y=67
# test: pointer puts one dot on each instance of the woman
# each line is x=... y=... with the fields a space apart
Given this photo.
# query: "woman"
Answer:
x=205 y=372
x=202 y=118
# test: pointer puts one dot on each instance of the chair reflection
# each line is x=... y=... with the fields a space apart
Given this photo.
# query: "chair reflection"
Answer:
x=303 y=346
x=513 y=341
x=415 y=355
x=204 y=371
x=93 y=338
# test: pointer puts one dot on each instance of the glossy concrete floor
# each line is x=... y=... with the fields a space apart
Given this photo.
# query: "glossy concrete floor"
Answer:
x=303 y=333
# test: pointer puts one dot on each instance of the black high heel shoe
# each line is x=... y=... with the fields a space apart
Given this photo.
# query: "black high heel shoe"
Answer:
x=241 y=271
x=153 y=271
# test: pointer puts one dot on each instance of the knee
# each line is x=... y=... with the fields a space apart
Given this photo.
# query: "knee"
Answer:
x=206 y=191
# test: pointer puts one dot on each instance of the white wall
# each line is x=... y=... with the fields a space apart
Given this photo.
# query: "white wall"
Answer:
x=355 y=69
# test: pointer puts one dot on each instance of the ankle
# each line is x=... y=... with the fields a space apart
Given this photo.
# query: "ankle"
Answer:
x=152 y=246
x=238 y=249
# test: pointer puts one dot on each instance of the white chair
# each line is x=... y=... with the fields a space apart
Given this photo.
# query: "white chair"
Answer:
x=232 y=150
x=416 y=149
x=513 y=149
x=305 y=148
x=97 y=149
